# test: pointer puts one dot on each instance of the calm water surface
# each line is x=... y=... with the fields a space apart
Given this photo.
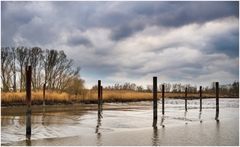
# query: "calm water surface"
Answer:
x=124 y=124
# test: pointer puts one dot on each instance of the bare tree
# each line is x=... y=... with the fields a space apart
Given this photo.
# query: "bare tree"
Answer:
x=75 y=86
x=6 y=68
x=59 y=70
x=139 y=88
x=21 y=56
x=14 y=69
x=51 y=67
x=50 y=61
x=35 y=59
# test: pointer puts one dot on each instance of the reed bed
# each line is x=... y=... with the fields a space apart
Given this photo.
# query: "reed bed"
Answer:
x=90 y=96
x=37 y=97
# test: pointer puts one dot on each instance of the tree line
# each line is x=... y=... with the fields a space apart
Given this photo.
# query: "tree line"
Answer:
x=50 y=67
x=230 y=89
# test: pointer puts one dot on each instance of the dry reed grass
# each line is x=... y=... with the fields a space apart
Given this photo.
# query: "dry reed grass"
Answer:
x=19 y=97
x=88 y=96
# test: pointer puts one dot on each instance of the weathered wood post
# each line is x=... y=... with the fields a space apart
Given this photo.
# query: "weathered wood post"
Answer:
x=186 y=99
x=200 y=91
x=28 y=101
x=217 y=100
x=99 y=92
x=155 y=98
x=44 y=88
x=99 y=98
x=163 y=99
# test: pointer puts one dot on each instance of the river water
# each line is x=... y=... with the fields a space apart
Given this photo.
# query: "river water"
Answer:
x=124 y=124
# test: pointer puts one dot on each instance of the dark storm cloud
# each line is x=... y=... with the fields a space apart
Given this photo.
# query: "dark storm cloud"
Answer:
x=227 y=44
x=78 y=40
x=124 y=31
x=11 y=20
x=123 y=18
x=119 y=41
x=197 y=12
x=170 y=14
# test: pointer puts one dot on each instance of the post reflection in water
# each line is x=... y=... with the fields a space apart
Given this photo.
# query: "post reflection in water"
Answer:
x=217 y=116
x=200 y=116
x=154 y=123
x=43 y=116
x=155 y=138
x=217 y=132
x=162 y=120
x=99 y=140
x=98 y=123
x=28 y=142
x=185 y=117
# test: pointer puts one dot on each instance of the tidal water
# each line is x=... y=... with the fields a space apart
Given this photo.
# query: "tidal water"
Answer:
x=124 y=124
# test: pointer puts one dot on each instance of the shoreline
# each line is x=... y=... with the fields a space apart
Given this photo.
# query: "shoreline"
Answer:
x=66 y=103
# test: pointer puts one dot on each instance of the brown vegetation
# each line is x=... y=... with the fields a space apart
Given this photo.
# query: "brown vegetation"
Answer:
x=90 y=96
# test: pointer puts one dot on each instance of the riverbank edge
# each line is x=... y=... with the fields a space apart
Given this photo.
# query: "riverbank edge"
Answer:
x=14 y=104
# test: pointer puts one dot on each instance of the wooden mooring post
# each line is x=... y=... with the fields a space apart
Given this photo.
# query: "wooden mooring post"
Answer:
x=217 y=101
x=200 y=91
x=28 y=101
x=99 y=93
x=163 y=99
x=186 y=99
x=155 y=98
x=44 y=89
x=99 y=98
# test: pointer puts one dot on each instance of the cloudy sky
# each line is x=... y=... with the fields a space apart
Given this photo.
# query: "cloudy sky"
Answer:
x=117 y=42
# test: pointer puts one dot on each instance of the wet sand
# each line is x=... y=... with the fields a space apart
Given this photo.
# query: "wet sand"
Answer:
x=126 y=124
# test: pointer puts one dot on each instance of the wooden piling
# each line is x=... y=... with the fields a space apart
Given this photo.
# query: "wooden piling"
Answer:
x=99 y=92
x=200 y=91
x=101 y=95
x=28 y=101
x=99 y=98
x=163 y=99
x=44 y=89
x=217 y=100
x=186 y=99
x=154 y=98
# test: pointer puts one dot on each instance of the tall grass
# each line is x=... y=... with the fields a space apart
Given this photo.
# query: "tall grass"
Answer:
x=88 y=96
x=19 y=97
